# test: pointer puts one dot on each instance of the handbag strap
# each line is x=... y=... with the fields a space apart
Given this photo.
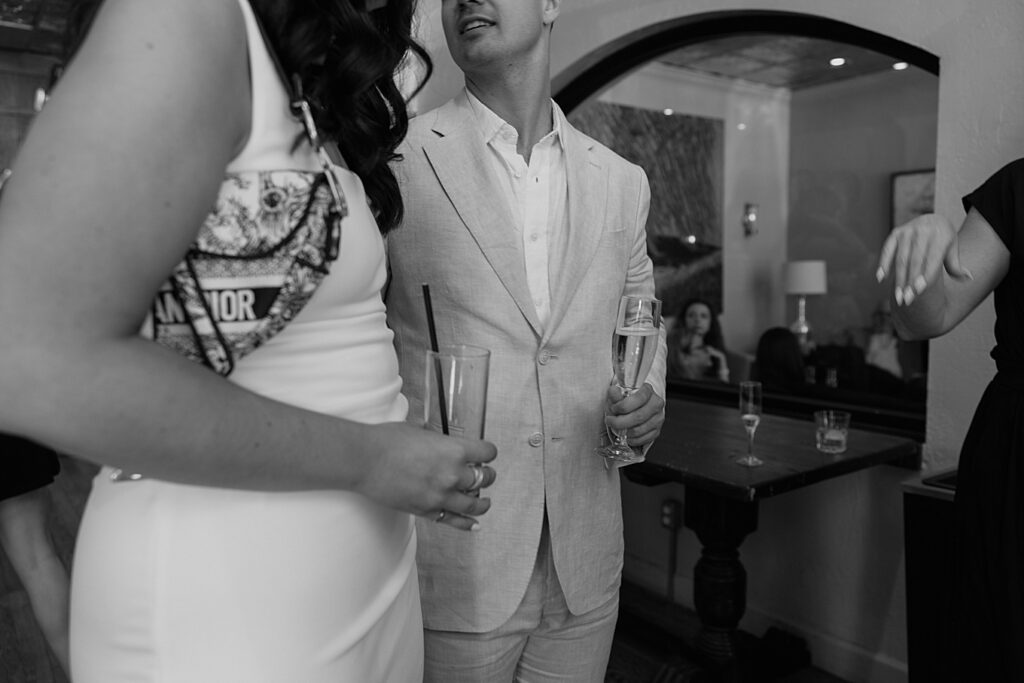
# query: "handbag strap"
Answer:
x=214 y=348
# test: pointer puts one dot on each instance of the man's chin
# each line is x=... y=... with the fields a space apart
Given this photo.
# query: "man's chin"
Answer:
x=475 y=59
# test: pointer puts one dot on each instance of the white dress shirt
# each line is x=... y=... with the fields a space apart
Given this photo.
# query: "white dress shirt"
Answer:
x=536 y=195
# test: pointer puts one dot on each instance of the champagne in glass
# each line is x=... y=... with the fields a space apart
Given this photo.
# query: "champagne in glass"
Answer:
x=634 y=345
x=750 y=413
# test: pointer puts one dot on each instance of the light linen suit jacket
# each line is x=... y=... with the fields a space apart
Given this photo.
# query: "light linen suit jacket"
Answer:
x=546 y=395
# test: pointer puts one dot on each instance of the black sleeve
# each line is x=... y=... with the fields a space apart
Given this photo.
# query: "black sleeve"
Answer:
x=25 y=466
x=1000 y=201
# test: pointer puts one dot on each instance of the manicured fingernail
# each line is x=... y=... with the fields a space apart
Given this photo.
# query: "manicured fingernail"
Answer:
x=920 y=283
x=898 y=295
x=880 y=274
x=908 y=295
x=475 y=527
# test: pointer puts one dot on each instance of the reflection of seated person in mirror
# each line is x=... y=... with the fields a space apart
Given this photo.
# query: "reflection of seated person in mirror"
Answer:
x=779 y=363
x=696 y=347
x=832 y=372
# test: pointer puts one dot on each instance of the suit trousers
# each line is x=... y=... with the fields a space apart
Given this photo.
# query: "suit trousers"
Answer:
x=542 y=641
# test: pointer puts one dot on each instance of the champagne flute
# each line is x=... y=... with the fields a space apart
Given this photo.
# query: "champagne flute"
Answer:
x=750 y=413
x=634 y=345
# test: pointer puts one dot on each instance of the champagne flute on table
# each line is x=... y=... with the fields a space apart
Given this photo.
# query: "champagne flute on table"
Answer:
x=634 y=345
x=750 y=413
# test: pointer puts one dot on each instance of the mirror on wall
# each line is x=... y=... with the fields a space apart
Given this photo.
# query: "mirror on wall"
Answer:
x=778 y=164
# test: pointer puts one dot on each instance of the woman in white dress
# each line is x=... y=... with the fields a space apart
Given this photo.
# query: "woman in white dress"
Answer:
x=250 y=523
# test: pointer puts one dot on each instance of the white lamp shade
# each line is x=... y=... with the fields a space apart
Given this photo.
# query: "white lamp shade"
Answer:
x=805 y=277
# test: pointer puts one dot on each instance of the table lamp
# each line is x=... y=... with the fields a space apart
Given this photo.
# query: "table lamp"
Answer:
x=803 y=278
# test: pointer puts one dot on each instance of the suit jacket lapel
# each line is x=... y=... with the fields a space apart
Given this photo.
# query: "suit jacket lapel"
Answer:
x=458 y=158
x=587 y=198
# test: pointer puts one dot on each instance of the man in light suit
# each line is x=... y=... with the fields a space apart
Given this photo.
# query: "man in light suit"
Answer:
x=528 y=233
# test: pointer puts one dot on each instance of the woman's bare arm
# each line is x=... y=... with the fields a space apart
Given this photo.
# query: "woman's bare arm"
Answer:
x=939 y=275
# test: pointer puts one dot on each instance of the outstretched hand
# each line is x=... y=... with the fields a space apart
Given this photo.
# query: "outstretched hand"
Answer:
x=642 y=413
x=914 y=253
x=428 y=474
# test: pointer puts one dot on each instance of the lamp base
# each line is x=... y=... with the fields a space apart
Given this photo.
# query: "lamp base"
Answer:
x=802 y=329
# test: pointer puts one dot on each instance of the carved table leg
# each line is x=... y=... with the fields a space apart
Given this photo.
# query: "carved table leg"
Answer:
x=719 y=579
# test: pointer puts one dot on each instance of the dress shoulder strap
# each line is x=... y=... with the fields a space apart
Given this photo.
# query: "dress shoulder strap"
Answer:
x=273 y=128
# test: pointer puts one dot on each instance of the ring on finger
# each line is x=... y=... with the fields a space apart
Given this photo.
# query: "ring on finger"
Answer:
x=478 y=478
x=440 y=516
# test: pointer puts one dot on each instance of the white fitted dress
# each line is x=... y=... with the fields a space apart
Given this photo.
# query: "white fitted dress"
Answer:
x=189 y=584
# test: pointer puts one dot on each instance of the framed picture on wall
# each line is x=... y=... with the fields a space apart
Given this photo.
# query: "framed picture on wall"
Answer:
x=912 y=194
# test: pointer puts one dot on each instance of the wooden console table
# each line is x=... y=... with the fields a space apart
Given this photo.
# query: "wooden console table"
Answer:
x=697 y=447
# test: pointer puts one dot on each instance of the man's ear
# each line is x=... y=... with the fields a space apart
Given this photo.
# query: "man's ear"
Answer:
x=551 y=10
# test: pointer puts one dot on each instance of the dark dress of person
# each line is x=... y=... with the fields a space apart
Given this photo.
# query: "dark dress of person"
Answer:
x=989 y=506
x=25 y=466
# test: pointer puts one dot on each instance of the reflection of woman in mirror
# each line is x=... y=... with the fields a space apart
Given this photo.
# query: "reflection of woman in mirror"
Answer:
x=779 y=364
x=696 y=348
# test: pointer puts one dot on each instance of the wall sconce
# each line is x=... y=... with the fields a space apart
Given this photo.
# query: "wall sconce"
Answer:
x=749 y=219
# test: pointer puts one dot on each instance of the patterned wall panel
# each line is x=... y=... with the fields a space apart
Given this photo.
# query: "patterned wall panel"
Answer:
x=682 y=156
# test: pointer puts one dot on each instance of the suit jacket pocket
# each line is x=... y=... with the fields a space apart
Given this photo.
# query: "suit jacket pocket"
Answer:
x=613 y=252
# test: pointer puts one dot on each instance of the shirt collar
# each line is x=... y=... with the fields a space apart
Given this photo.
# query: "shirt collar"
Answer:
x=492 y=126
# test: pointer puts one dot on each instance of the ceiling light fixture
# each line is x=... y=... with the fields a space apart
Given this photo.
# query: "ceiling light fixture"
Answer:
x=900 y=66
x=837 y=61
x=668 y=112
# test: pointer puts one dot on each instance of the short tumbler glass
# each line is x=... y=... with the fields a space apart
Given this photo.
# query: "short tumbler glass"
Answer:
x=831 y=429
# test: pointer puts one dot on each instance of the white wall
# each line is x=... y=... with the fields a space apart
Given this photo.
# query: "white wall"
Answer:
x=828 y=560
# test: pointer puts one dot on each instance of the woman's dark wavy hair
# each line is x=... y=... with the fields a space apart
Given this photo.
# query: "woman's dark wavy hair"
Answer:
x=346 y=59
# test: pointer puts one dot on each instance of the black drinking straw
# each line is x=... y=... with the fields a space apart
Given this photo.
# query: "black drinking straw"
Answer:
x=437 y=360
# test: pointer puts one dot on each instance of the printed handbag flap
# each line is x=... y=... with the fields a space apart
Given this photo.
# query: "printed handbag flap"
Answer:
x=258 y=258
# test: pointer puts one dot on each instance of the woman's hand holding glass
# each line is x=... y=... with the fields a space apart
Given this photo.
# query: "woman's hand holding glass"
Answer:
x=428 y=474
x=455 y=401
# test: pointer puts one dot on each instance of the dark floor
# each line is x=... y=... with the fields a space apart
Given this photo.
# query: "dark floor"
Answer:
x=653 y=645
x=648 y=646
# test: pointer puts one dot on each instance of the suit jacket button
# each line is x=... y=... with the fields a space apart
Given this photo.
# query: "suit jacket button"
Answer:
x=536 y=439
x=544 y=357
